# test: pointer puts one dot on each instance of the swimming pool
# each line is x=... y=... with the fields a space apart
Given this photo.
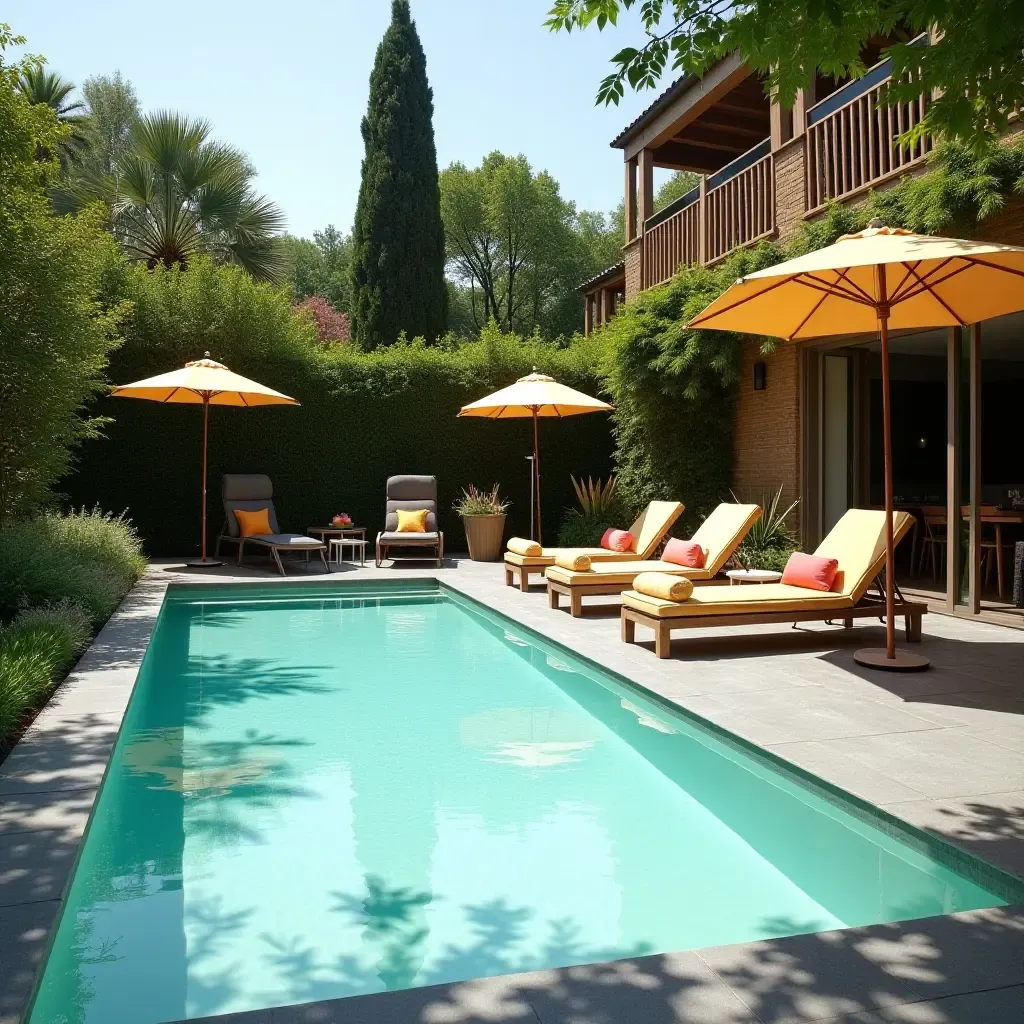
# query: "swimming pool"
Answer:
x=316 y=795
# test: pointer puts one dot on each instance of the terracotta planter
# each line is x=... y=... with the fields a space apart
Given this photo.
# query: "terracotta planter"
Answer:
x=484 y=535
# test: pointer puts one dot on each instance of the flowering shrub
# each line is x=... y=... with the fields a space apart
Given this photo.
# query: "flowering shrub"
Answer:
x=332 y=327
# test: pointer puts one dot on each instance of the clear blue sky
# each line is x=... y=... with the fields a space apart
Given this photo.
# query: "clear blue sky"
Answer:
x=287 y=82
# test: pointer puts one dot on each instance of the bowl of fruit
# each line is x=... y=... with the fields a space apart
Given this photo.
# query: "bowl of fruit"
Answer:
x=342 y=521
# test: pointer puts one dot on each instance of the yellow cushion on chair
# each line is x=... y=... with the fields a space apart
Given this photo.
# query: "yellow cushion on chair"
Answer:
x=522 y=546
x=574 y=561
x=412 y=520
x=252 y=524
x=663 y=586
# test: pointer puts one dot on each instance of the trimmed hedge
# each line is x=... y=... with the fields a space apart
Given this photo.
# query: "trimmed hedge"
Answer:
x=363 y=417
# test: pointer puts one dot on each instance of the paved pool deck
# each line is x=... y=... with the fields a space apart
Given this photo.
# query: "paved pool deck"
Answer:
x=942 y=750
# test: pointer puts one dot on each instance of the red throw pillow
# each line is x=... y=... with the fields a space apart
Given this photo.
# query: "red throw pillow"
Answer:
x=618 y=540
x=810 y=571
x=684 y=552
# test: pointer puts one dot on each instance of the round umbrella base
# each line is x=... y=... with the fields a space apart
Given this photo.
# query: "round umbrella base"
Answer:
x=875 y=657
x=199 y=563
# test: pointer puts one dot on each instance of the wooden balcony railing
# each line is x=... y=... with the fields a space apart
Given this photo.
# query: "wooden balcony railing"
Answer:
x=737 y=209
x=853 y=138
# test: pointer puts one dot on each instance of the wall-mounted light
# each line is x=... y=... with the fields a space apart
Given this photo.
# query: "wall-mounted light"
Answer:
x=922 y=442
x=760 y=376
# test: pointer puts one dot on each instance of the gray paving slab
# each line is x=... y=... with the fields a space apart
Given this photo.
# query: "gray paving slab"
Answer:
x=24 y=931
x=997 y=1006
x=63 y=810
x=34 y=866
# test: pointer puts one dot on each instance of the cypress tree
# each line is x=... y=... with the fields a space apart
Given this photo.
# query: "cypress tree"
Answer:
x=398 y=253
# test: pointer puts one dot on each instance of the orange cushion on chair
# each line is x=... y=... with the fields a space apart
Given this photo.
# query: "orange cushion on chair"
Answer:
x=251 y=524
x=684 y=552
x=618 y=540
x=810 y=571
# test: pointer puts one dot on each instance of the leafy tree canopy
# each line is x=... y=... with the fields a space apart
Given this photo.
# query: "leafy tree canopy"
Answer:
x=113 y=111
x=976 y=60
x=58 y=308
x=321 y=267
x=518 y=248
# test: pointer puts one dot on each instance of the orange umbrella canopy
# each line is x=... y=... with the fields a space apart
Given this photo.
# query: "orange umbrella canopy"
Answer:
x=924 y=281
x=203 y=380
x=534 y=394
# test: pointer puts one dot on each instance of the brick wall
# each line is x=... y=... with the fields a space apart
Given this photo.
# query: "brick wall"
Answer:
x=633 y=256
x=766 y=442
x=1006 y=228
x=790 y=188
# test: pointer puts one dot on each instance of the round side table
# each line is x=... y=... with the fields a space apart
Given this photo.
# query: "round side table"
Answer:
x=737 y=576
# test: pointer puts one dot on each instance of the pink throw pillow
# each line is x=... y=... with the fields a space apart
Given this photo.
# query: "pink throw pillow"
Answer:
x=810 y=571
x=618 y=540
x=684 y=552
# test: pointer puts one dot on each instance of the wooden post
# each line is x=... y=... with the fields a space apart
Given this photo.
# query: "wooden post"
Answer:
x=645 y=168
x=775 y=121
x=953 y=355
x=974 y=538
x=804 y=101
x=630 y=218
x=605 y=311
x=206 y=420
x=588 y=317
x=702 y=221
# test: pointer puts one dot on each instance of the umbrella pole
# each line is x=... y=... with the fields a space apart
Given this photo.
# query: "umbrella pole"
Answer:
x=536 y=471
x=204 y=562
x=890 y=658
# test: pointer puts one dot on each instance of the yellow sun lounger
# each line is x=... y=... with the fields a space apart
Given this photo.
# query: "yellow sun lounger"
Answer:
x=857 y=542
x=649 y=529
x=720 y=535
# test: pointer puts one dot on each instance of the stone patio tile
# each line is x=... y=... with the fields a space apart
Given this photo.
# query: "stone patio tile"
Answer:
x=805 y=977
x=34 y=866
x=673 y=988
x=951 y=954
x=990 y=826
x=47 y=767
x=819 y=758
x=939 y=763
x=998 y=1006
x=25 y=930
x=66 y=811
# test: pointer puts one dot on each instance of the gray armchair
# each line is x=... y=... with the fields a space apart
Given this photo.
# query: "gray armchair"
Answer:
x=410 y=493
x=250 y=492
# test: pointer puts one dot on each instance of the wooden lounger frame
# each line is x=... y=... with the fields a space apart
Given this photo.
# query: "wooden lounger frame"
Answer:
x=867 y=607
x=275 y=549
x=512 y=570
x=577 y=591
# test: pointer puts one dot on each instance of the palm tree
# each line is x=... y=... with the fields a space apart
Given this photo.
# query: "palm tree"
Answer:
x=38 y=85
x=175 y=194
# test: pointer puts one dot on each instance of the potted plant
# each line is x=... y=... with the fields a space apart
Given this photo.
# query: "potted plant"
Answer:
x=769 y=543
x=483 y=517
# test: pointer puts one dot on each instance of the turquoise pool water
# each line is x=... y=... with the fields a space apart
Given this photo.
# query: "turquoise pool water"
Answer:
x=316 y=797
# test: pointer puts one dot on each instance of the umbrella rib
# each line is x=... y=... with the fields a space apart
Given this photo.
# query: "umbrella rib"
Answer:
x=696 y=321
x=910 y=275
x=938 y=298
x=814 y=283
x=995 y=266
x=920 y=287
x=817 y=306
x=843 y=276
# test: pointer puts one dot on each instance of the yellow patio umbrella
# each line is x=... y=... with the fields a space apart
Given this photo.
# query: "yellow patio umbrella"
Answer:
x=880 y=279
x=209 y=383
x=536 y=395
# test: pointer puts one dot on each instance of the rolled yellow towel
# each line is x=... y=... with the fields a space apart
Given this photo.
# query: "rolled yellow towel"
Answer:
x=573 y=562
x=521 y=546
x=663 y=585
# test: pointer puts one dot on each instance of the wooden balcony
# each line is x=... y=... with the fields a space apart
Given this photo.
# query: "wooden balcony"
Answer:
x=731 y=208
x=853 y=139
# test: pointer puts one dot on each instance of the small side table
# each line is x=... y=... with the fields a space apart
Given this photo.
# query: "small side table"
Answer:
x=737 y=576
x=337 y=545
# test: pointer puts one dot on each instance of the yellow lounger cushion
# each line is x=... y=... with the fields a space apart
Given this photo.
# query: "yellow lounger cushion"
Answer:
x=725 y=601
x=723 y=532
x=521 y=546
x=663 y=585
x=574 y=561
x=621 y=572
